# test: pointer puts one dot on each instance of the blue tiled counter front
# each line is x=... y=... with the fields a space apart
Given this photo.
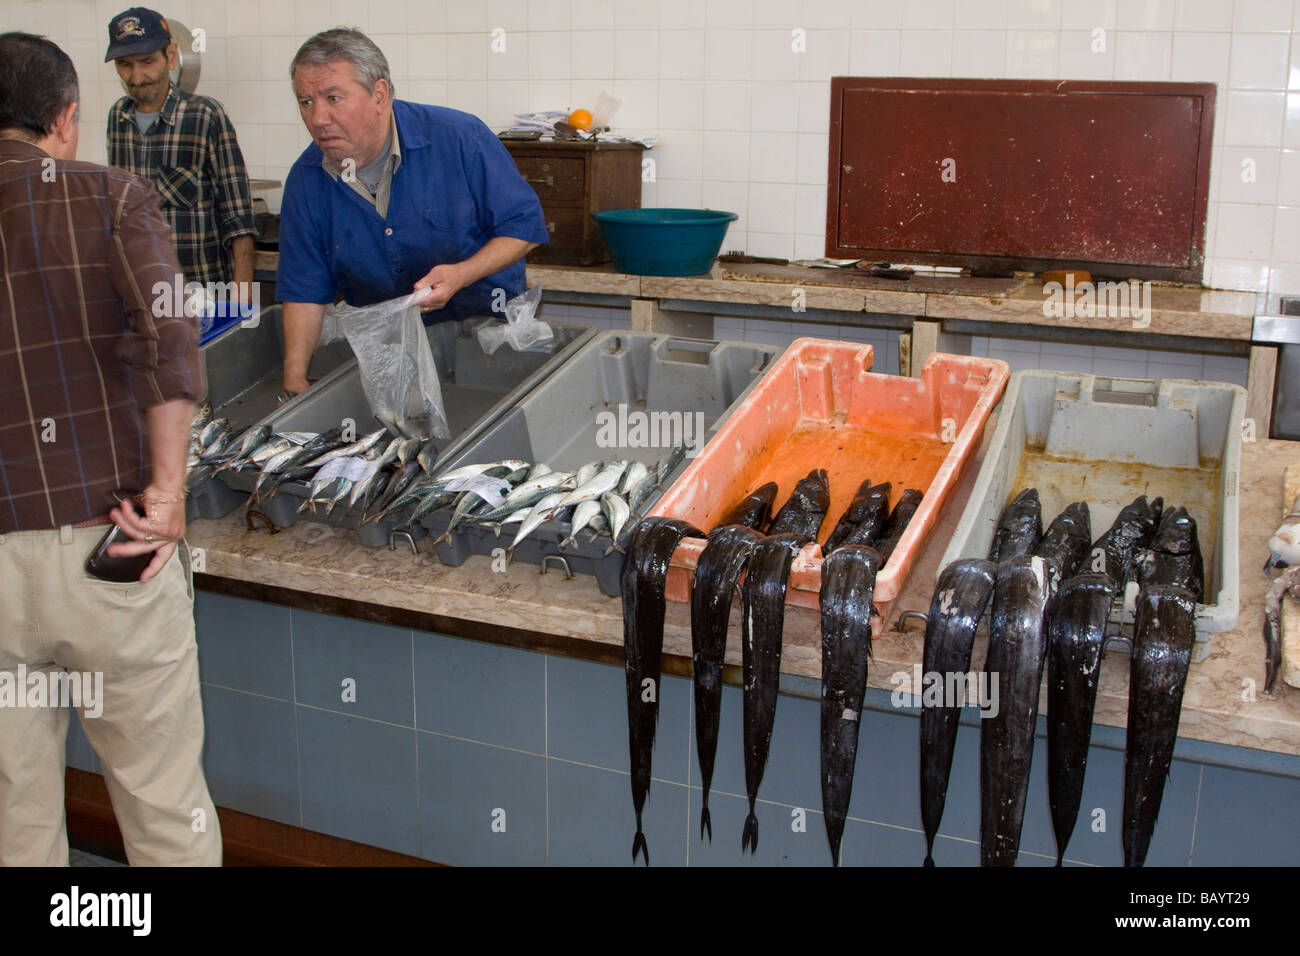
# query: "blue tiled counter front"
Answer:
x=467 y=752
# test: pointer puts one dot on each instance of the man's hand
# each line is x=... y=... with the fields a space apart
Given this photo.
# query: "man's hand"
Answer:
x=443 y=281
x=157 y=530
x=302 y=325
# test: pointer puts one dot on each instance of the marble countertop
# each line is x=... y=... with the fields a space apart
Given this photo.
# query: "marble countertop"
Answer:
x=1175 y=310
x=1222 y=703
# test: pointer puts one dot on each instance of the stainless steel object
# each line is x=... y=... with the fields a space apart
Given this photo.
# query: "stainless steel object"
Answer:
x=1284 y=332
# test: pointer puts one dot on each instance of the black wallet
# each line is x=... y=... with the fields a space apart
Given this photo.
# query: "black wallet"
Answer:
x=104 y=566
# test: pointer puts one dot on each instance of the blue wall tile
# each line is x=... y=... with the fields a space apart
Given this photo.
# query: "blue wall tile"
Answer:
x=592 y=823
x=588 y=719
x=359 y=780
x=250 y=754
x=887 y=779
x=480 y=691
x=462 y=786
x=871 y=844
x=792 y=774
x=778 y=844
x=1243 y=820
x=243 y=644
x=327 y=649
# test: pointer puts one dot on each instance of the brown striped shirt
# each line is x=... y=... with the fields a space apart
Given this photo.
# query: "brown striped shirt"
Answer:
x=84 y=255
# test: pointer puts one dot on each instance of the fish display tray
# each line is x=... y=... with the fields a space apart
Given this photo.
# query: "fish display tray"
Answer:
x=477 y=389
x=1079 y=437
x=822 y=407
x=673 y=387
x=245 y=372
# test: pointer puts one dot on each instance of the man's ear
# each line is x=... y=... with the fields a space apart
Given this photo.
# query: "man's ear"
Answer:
x=65 y=124
x=382 y=94
x=173 y=54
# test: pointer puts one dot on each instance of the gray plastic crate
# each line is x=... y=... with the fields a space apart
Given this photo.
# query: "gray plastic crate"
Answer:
x=1105 y=441
x=477 y=389
x=245 y=370
x=560 y=424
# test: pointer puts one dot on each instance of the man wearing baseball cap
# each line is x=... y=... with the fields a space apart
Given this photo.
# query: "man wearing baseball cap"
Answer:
x=186 y=146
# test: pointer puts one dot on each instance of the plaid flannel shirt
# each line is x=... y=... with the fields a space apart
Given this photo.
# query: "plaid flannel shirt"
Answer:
x=192 y=155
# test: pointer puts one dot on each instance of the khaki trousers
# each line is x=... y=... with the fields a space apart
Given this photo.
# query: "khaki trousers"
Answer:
x=149 y=736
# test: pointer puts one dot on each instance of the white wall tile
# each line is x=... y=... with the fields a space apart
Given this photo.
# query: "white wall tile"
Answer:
x=726 y=155
x=640 y=109
x=1034 y=14
x=469 y=96
x=874 y=52
x=508 y=62
x=1262 y=15
x=980 y=15
x=1201 y=57
x=980 y=54
x=727 y=13
x=1212 y=15
x=771 y=207
x=810 y=246
x=1146 y=15
x=636 y=54
x=775 y=244
x=681 y=55
x=1254 y=119
x=1248 y=175
x=810 y=209
x=1088 y=15
x=593 y=54
x=1259 y=61
x=923 y=14
x=1143 y=56
x=548 y=15
x=636 y=15
x=550 y=55
x=772 y=56
x=814 y=155
x=827 y=56
x=1084 y=57
x=1032 y=54
x=466 y=57
x=680 y=193
x=815 y=108
x=774 y=14
x=726 y=105
x=1291 y=139
x=772 y=158
x=543 y=95
x=926 y=53
x=1245 y=232
x=466 y=17
x=1288 y=185
x=681 y=105
x=727 y=55
x=1286 y=235
x=774 y=108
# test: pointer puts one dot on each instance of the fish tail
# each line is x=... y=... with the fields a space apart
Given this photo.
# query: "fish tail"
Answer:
x=510 y=554
x=303 y=507
x=612 y=548
x=929 y=862
x=706 y=823
x=639 y=845
x=749 y=839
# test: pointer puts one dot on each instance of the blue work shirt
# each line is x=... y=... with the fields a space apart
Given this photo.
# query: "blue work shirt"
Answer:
x=456 y=188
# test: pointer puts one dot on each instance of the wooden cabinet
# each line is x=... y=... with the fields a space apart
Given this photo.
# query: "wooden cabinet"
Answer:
x=573 y=180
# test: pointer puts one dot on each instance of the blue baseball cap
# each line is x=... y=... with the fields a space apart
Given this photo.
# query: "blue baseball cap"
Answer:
x=138 y=30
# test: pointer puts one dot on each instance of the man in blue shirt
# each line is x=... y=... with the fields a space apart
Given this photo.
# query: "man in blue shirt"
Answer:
x=392 y=196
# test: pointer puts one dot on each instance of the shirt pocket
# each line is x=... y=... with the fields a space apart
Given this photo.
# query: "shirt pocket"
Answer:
x=452 y=217
x=178 y=187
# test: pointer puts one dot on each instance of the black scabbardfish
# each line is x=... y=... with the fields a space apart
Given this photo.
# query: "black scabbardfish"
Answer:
x=959 y=600
x=1174 y=556
x=1076 y=631
x=754 y=510
x=898 y=521
x=1163 y=633
x=1117 y=552
x=806 y=507
x=762 y=623
x=646 y=567
x=1066 y=542
x=716 y=575
x=864 y=519
x=848 y=580
x=1020 y=527
x=1017 y=644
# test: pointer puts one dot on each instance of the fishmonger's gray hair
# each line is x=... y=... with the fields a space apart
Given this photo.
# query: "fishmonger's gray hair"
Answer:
x=350 y=44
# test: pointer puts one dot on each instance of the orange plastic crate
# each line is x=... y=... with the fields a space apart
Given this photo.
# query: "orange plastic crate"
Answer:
x=821 y=406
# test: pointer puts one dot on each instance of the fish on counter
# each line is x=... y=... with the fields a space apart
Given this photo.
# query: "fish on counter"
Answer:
x=653 y=543
x=752 y=511
x=1076 y=633
x=1118 y=552
x=963 y=591
x=762 y=624
x=897 y=523
x=1174 y=556
x=848 y=581
x=1017 y=646
x=1020 y=527
x=1163 y=634
x=719 y=569
x=806 y=507
x=863 y=521
x=1066 y=542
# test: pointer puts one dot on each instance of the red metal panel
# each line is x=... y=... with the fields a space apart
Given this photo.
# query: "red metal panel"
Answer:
x=1027 y=174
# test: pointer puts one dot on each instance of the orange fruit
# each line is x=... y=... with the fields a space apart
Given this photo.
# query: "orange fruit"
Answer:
x=579 y=119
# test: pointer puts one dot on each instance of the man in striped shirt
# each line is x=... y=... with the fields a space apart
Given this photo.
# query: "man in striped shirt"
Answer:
x=96 y=395
x=186 y=146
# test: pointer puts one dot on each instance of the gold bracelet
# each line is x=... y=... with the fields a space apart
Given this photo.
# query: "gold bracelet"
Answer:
x=151 y=500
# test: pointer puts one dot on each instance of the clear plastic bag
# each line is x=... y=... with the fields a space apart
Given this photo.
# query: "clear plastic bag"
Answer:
x=397 y=368
x=522 y=329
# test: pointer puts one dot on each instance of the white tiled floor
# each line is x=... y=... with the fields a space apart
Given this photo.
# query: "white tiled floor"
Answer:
x=1018 y=353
